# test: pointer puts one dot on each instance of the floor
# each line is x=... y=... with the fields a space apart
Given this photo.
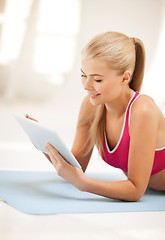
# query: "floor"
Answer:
x=17 y=153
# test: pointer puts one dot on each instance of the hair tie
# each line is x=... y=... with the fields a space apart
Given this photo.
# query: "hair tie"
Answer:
x=133 y=40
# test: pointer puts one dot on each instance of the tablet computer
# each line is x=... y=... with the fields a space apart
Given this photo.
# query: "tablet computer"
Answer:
x=40 y=135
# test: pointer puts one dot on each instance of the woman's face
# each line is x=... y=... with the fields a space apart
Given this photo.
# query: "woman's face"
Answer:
x=102 y=84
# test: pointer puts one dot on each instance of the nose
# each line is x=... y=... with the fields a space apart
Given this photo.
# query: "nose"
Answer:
x=86 y=83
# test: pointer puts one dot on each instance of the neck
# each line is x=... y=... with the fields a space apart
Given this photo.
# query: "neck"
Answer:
x=118 y=106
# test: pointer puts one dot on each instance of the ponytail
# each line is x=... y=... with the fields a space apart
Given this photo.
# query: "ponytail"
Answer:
x=138 y=74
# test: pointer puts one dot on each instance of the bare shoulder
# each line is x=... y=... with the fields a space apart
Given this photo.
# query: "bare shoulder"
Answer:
x=145 y=105
x=145 y=112
x=87 y=111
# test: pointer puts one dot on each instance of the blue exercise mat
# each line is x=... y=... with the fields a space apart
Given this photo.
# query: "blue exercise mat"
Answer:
x=47 y=193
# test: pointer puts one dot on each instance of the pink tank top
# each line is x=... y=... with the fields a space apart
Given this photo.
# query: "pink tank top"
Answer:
x=118 y=157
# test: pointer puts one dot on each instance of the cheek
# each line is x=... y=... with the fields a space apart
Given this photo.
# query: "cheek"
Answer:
x=104 y=88
x=109 y=90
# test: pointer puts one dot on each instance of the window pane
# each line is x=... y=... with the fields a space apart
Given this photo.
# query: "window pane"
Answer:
x=53 y=54
x=17 y=9
x=0 y=35
x=2 y=5
x=60 y=17
x=12 y=37
x=13 y=28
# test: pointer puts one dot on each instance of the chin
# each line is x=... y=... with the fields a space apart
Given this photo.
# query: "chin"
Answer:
x=95 y=103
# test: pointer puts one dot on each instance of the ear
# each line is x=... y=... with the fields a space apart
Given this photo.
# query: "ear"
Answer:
x=126 y=77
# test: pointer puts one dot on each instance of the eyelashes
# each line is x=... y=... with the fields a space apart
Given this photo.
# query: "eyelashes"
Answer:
x=96 y=80
x=82 y=75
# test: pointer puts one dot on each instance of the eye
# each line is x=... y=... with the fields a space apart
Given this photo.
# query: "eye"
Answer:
x=97 y=80
x=82 y=75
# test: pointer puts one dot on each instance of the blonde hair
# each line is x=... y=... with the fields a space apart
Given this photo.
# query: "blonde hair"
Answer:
x=121 y=53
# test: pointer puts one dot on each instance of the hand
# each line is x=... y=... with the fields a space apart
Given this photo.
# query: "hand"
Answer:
x=65 y=170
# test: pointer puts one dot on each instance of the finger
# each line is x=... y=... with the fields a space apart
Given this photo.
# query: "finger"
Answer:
x=27 y=116
x=52 y=158
x=55 y=153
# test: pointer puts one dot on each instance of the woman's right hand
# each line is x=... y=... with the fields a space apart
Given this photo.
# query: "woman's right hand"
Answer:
x=27 y=116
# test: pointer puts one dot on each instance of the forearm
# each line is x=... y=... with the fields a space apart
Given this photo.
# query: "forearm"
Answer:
x=122 y=190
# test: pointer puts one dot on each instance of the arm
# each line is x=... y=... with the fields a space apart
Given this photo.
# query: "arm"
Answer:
x=143 y=131
x=123 y=190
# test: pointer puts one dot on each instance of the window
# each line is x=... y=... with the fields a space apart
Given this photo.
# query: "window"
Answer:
x=55 y=42
x=40 y=33
x=13 y=22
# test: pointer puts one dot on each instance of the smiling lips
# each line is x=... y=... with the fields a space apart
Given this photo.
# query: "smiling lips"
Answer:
x=93 y=95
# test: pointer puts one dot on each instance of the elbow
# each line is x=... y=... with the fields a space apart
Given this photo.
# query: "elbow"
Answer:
x=135 y=193
x=138 y=196
x=134 y=197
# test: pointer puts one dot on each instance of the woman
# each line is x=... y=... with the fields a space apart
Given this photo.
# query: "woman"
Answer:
x=127 y=127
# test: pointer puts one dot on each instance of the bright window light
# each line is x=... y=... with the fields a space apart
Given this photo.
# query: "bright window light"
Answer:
x=13 y=29
x=51 y=28
x=11 y=41
x=53 y=54
x=60 y=17
x=55 y=43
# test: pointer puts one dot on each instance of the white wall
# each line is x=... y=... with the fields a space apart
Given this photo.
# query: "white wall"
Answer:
x=143 y=19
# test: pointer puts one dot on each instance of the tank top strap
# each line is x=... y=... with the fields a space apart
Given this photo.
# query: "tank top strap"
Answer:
x=128 y=110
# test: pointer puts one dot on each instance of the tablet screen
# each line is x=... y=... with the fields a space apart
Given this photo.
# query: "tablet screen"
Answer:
x=40 y=135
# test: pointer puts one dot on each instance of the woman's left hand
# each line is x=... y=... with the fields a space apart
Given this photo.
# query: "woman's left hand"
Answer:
x=65 y=170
